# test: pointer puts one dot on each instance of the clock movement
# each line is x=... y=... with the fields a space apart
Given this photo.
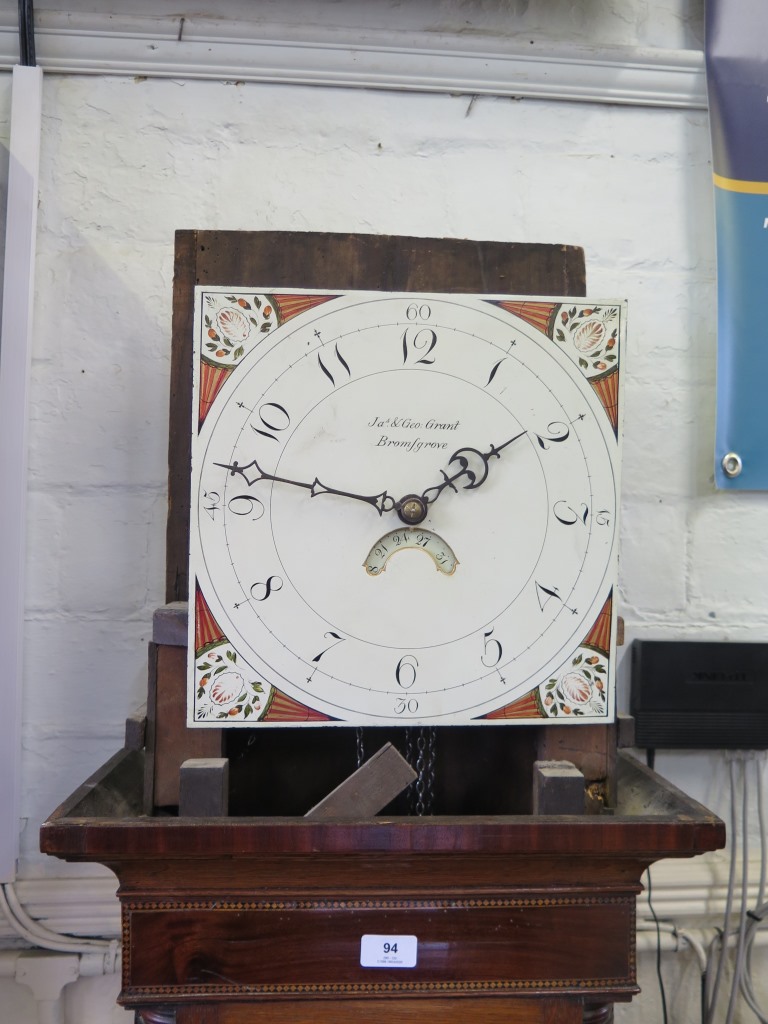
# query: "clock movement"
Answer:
x=403 y=509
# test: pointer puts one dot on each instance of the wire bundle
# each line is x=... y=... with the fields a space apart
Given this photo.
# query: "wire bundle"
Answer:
x=748 y=920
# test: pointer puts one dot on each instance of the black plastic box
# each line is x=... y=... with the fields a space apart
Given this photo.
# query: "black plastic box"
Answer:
x=700 y=694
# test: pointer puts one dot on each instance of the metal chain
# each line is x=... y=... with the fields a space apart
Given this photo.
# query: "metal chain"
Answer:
x=421 y=747
x=409 y=758
x=429 y=787
x=360 y=741
x=421 y=795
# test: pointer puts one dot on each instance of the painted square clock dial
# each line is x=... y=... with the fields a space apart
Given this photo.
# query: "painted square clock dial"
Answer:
x=404 y=508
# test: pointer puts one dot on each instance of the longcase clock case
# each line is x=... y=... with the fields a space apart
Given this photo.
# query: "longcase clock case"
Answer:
x=259 y=916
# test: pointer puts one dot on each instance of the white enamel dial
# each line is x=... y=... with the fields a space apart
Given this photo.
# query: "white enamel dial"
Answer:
x=327 y=585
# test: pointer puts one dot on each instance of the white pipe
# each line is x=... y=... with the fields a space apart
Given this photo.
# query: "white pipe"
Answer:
x=50 y=1011
x=91 y=965
x=15 y=361
x=8 y=960
x=47 y=975
x=671 y=936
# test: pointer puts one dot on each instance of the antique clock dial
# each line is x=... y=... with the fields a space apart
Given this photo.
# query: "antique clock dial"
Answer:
x=404 y=508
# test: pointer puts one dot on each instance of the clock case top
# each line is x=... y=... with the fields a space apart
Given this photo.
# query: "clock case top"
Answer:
x=297 y=767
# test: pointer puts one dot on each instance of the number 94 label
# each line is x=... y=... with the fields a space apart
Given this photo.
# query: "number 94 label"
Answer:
x=388 y=950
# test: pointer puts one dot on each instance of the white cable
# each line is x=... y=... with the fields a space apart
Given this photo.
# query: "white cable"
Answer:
x=747 y=986
x=711 y=1002
x=696 y=946
x=738 y=967
x=680 y=934
x=38 y=935
x=759 y=764
x=761 y=909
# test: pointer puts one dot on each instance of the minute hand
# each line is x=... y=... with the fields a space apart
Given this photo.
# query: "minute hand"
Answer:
x=473 y=467
x=253 y=472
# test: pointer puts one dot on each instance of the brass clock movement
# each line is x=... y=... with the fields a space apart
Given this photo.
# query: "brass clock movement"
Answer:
x=404 y=508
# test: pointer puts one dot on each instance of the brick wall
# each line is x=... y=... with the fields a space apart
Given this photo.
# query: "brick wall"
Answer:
x=127 y=161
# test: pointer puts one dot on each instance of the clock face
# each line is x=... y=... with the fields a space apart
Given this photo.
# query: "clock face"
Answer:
x=403 y=508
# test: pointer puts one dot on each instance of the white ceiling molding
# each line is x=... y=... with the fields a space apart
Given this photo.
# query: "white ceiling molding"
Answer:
x=382 y=58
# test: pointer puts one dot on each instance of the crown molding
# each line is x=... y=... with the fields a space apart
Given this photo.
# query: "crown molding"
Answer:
x=378 y=58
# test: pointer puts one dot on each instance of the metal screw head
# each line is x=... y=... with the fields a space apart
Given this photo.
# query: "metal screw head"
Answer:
x=731 y=464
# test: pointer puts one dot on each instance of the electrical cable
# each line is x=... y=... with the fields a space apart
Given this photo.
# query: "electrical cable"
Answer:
x=711 y=1002
x=662 y=993
x=38 y=935
x=738 y=968
x=759 y=762
x=26 y=33
x=747 y=986
x=749 y=921
x=740 y=928
x=696 y=946
x=23 y=55
x=758 y=915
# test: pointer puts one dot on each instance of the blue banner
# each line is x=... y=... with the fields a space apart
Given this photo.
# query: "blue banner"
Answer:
x=737 y=83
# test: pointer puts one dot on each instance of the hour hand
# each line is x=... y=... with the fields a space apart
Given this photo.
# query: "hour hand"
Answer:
x=472 y=469
x=252 y=473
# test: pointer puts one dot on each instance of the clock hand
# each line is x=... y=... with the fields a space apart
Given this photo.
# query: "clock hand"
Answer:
x=475 y=476
x=381 y=502
x=412 y=508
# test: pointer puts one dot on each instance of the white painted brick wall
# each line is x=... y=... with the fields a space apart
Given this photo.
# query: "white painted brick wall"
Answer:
x=125 y=163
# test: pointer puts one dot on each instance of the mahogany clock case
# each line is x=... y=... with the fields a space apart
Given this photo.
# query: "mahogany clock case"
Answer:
x=521 y=918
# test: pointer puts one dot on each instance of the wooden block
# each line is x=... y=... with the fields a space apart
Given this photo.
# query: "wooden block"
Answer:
x=169 y=741
x=169 y=624
x=204 y=788
x=625 y=726
x=592 y=748
x=558 y=788
x=368 y=790
x=136 y=729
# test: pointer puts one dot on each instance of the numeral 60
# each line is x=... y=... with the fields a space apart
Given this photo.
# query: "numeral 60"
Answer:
x=418 y=312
